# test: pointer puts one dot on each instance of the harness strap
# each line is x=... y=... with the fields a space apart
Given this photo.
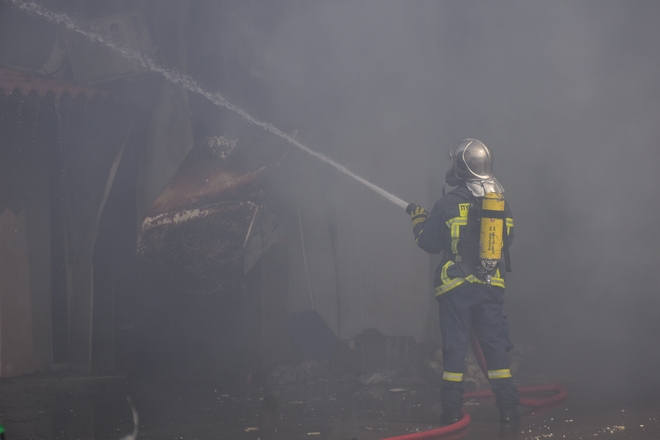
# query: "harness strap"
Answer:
x=489 y=213
x=505 y=250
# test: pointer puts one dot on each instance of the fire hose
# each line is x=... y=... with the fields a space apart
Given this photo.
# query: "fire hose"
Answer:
x=558 y=396
x=524 y=401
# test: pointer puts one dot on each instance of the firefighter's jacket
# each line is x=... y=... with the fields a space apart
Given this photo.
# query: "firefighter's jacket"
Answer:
x=445 y=231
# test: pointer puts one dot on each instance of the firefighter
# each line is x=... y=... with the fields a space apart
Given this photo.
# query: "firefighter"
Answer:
x=469 y=282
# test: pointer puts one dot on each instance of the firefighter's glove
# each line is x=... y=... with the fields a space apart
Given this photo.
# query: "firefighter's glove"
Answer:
x=418 y=214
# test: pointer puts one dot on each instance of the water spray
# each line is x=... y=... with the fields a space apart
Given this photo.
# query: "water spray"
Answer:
x=191 y=85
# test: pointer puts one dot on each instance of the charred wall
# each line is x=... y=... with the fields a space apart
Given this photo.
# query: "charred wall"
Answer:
x=26 y=136
x=58 y=153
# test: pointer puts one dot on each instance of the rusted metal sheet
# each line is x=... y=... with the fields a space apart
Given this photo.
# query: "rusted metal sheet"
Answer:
x=208 y=226
x=11 y=80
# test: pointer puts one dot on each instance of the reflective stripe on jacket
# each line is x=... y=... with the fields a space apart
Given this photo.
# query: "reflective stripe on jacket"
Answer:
x=444 y=231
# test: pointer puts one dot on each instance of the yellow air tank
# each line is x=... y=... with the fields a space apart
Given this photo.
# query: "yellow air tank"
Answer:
x=490 y=239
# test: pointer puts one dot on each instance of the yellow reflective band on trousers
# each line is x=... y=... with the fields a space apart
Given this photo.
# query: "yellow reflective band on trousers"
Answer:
x=452 y=377
x=499 y=374
x=450 y=283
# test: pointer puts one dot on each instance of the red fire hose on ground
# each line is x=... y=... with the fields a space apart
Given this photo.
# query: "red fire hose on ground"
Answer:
x=524 y=401
x=532 y=402
x=433 y=433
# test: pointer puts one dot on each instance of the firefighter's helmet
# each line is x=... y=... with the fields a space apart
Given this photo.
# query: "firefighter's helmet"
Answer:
x=472 y=160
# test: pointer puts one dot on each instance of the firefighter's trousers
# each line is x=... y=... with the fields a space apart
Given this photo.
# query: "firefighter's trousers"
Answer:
x=477 y=306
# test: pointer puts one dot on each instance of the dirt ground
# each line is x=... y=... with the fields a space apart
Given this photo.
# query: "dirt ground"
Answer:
x=76 y=407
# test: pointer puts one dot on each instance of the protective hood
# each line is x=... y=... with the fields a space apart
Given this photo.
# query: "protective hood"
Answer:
x=480 y=188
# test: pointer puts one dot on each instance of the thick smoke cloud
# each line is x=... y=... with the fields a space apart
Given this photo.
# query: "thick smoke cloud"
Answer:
x=565 y=93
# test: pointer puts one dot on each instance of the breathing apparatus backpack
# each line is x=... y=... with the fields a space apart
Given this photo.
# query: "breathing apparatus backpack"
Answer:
x=486 y=241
